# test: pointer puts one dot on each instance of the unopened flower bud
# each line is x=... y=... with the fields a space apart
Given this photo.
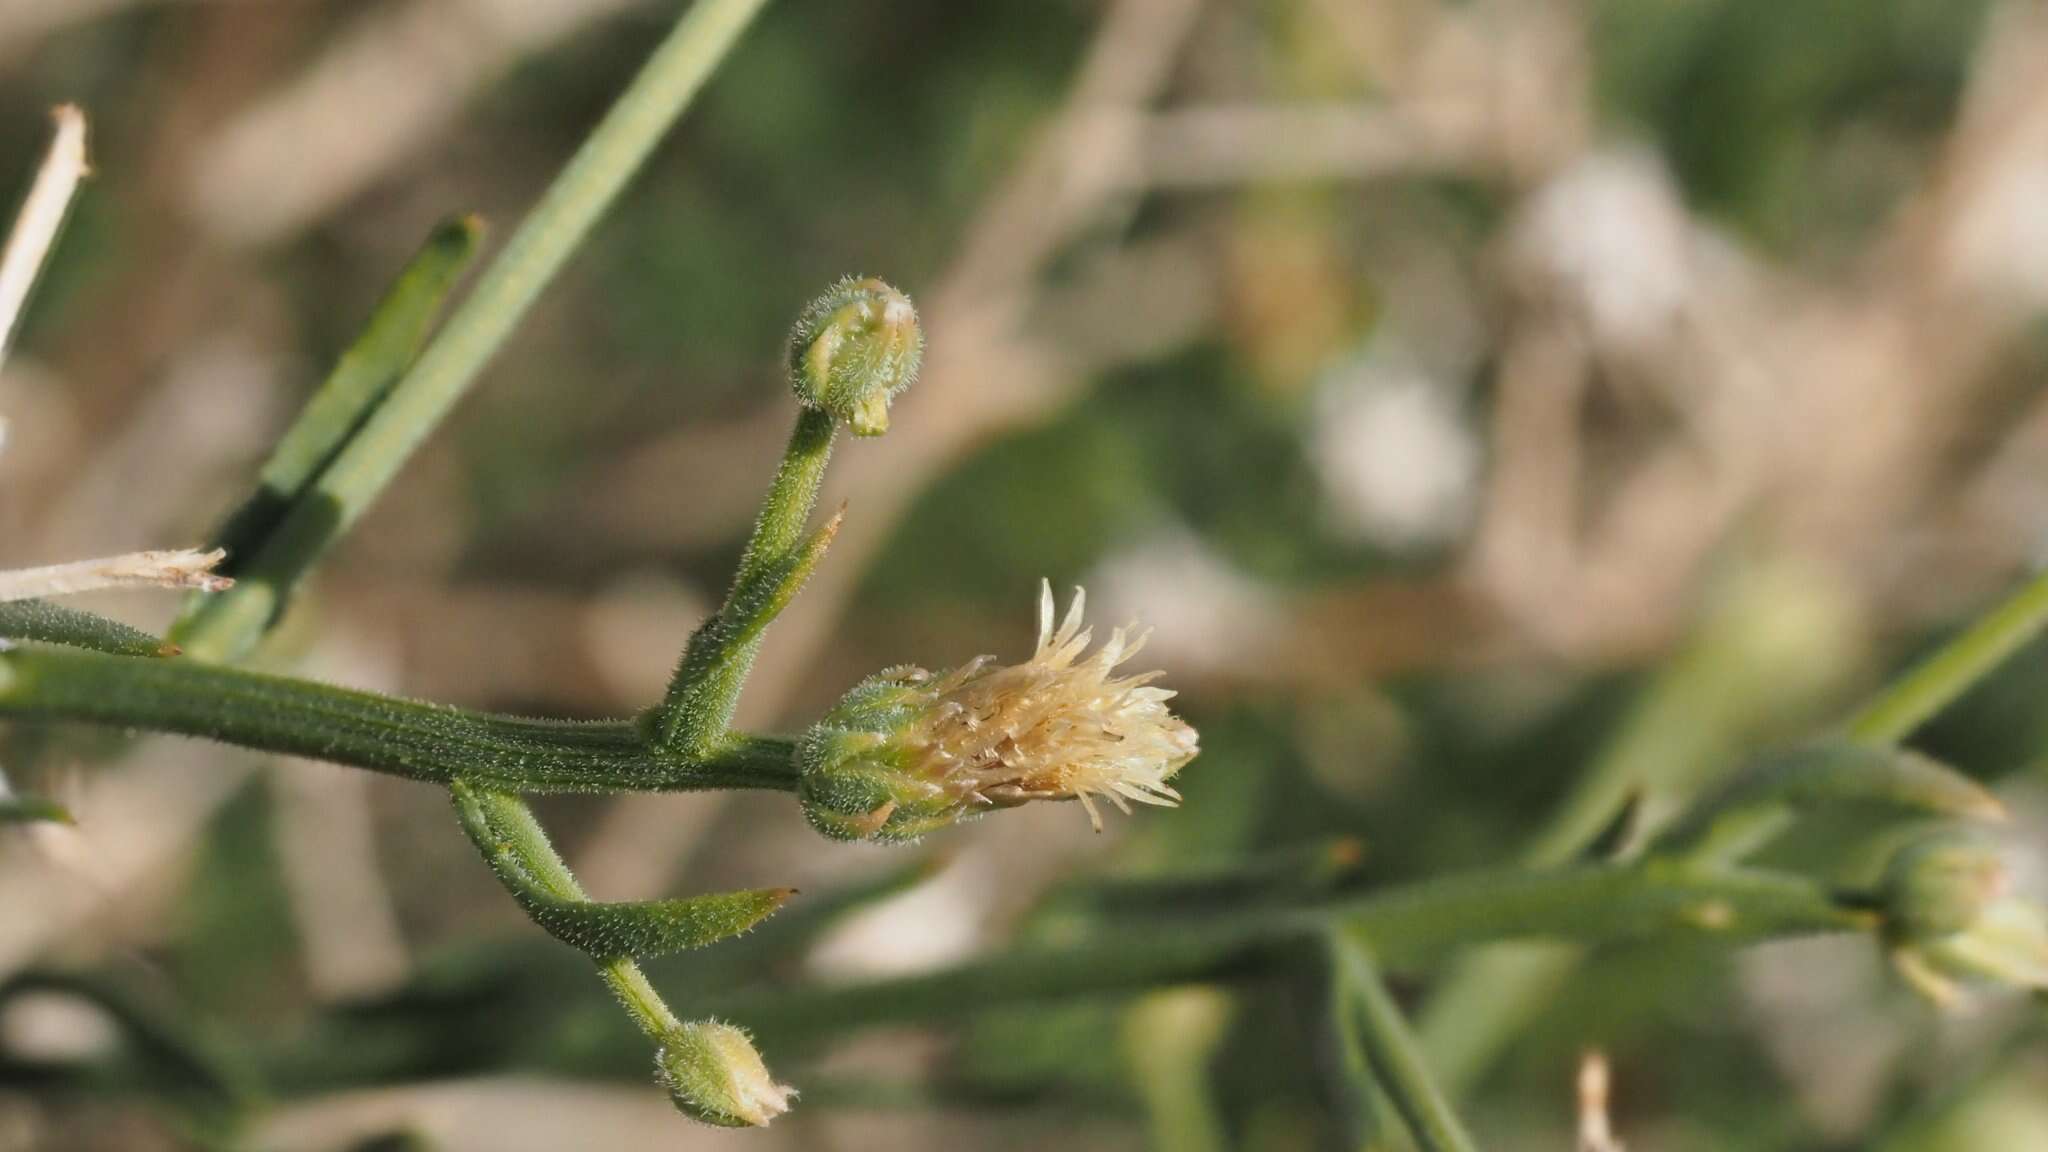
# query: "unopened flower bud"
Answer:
x=713 y=1074
x=907 y=752
x=1940 y=885
x=1951 y=922
x=853 y=350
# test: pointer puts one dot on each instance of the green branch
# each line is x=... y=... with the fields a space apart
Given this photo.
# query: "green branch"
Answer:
x=1410 y=928
x=1379 y=1031
x=698 y=708
x=384 y=734
x=1955 y=668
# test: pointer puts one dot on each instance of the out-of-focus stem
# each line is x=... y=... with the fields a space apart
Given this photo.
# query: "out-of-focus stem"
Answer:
x=1391 y=1049
x=1936 y=682
x=42 y=217
x=1409 y=926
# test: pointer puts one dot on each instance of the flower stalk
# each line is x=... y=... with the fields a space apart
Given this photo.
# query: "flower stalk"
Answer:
x=696 y=716
x=852 y=351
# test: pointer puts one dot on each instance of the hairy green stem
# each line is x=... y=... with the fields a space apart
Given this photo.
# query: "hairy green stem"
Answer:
x=507 y=833
x=384 y=734
x=1392 y=1050
x=706 y=687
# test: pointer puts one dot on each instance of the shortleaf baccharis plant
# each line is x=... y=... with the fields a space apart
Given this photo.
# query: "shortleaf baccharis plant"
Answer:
x=1057 y=727
x=851 y=353
x=907 y=752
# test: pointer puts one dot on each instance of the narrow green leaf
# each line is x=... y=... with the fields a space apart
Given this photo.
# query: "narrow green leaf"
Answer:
x=654 y=927
x=513 y=843
x=375 y=451
x=361 y=379
x=1761 y=802
x=1383 y=1036
x=41 y=621
x=1358 y=1110
x=172 y=1056
x=1956 y=667
x=264 y=556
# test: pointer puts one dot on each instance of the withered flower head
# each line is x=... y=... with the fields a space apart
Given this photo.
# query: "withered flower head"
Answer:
x=907 y=751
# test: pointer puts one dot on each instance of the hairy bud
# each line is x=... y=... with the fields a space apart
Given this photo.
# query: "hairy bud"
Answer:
x=713 y=1074
x=853 y=350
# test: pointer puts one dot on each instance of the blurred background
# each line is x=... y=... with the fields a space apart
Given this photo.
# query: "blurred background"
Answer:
x=1466 y=393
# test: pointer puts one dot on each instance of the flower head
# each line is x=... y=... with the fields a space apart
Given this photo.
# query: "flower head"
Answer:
x=908 y=751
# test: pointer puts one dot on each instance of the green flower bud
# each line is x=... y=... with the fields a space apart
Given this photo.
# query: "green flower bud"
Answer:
x=1950 y=921
x=907 y=752
x=859 y=765
x=1940 y=885
x=853 y=350
x=713 y=1074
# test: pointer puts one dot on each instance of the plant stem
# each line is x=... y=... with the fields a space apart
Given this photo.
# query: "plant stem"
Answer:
x=587 y=186
x=1936 y=682
x=706 y=687
x=1392 y=1050
x=381 y=733
x=1357 y=1107
x=1418 y=924
x=510 y=831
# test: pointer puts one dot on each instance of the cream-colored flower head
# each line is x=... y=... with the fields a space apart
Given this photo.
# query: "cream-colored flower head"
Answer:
x=907 y=751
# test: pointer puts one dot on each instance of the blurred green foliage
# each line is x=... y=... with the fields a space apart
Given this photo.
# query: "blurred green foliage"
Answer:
x=860 y=136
